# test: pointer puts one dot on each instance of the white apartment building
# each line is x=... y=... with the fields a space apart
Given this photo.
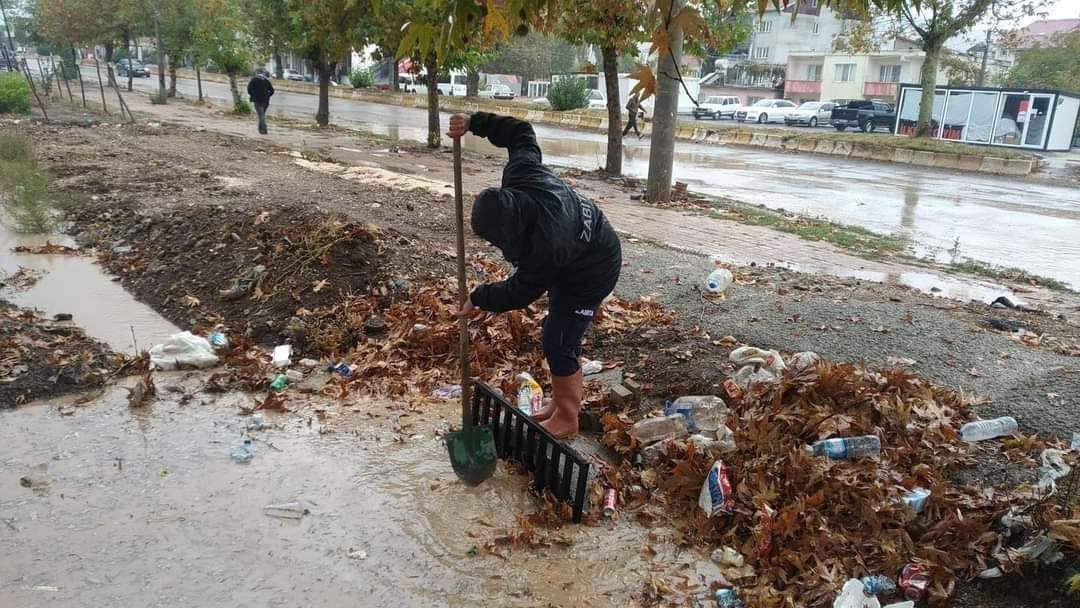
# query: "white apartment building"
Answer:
x=776 y=35
x=842 y=77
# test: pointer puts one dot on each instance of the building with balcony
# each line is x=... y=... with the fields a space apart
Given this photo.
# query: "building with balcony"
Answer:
x=843 y=77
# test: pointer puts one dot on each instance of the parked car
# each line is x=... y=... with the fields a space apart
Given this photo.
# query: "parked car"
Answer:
x=811 y=114
x=497 y=91
x=865 y=115
x=288 y=74
x=137 y=69
x=716 y=107
x=597 y=101
x=765 y=110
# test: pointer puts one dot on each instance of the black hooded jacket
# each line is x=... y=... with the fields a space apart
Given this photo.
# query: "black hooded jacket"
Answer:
x=559 y=241
x=260 y=89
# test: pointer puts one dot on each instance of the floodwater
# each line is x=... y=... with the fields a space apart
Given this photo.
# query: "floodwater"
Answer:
x=143 y=507
x=1025 y=223
x=75 y=284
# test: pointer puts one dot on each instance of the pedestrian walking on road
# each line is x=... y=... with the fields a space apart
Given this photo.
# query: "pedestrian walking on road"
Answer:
x=559 y=242
x=632 y=108
x=260 y=90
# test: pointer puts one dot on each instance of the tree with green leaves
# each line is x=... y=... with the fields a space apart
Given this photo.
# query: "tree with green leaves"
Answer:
x=535 y=56
x=615 y=27
x=222 y=38
x=934 y=22
x=271 y=29
x=178 y=23
x=326 y=31
x=1049 y=66
x=384 y=29
x=857 y=37
x=960 y=70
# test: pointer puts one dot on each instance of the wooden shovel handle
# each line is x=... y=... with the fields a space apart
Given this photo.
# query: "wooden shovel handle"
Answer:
x=463 y=322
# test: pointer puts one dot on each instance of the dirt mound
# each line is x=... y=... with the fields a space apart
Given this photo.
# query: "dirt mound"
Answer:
x=205 y=265
x=40 y=358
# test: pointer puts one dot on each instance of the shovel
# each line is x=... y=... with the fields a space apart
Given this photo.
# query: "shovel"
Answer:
x=472 y=449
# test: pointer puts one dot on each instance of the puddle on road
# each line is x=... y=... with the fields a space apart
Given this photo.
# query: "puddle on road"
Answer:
x=76 y=285
x=144 y=507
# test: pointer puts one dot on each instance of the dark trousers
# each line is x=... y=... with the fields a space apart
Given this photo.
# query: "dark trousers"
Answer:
x=260 y=110
x=631 y=123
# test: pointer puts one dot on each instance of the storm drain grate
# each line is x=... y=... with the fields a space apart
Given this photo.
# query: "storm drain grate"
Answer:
x=519 y=438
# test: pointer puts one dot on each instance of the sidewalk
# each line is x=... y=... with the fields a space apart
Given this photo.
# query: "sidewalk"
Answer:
x=734 y=242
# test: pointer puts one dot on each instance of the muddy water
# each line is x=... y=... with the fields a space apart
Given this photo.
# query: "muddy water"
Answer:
x=144 y=507
x=76 y=285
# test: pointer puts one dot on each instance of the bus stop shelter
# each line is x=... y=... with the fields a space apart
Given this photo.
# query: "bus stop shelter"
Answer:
x=1011 y=118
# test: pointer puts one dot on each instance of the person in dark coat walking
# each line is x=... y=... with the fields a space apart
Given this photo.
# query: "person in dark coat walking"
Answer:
x=632 y=109
x=260 y=90
x=559 y=242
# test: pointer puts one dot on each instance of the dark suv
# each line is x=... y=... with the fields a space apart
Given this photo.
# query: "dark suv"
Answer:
x=137 y=69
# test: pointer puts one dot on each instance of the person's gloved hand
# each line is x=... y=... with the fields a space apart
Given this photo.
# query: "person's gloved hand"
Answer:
x=459 y=125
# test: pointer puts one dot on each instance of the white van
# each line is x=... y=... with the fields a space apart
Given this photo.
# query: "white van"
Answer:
x=716 y=107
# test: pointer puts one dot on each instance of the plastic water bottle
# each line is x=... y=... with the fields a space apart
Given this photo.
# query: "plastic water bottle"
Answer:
x=719 y=280
x=844 y=448
x=878 y=585
x=243 y=452
x=726 y=598
x=988 y=429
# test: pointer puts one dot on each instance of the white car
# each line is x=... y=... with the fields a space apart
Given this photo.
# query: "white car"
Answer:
x=716 y=107
x=288 y=74
x=597 y=101
x=765 y=110
x=811 y=114
x=497 y=91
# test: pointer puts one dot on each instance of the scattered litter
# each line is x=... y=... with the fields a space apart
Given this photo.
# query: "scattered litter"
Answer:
x=995 y=572
x=755 y=365
x=356 y=554
x=802 y=361
x=981 y=430
x=286 y=510
x=914 y=581
x=853 y=595
x=183 y=350
x=1053 y=468
x=907 y=604
x=1040 y=549
x=703 y=413
x=916 y=498
x=282 y=355
x=242 y=286
x=878 y=585
x=63 y=316
x=257 y=423
x=219 y=340
x=719 y=280
x=294 y=375
x=728 y=556
x=530 y=397
x=611 y=502
x=716 y=496
x=591 y=367
x=309 y=363
x=450 y=391
x=845 y=448
x=727 y=598
x=279 y=383
x=244 y=452
x=651 y=430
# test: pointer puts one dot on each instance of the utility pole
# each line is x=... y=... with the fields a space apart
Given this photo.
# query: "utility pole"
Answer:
x=986 y=55
x=160 y=51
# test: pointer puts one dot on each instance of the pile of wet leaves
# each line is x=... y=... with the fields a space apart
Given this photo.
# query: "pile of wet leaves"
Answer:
x=42 y=358
x=805 y=524
x=208 y=265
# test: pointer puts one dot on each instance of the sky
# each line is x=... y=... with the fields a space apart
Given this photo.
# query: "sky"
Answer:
x=1064 y=9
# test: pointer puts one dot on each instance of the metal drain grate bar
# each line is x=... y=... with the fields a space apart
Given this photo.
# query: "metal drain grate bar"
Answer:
x=521 y=439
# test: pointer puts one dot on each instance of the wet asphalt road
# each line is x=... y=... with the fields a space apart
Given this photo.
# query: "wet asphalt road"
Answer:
x=1025 y=223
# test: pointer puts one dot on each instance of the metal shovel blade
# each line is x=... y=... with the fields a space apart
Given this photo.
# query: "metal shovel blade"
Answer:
x=472 y=453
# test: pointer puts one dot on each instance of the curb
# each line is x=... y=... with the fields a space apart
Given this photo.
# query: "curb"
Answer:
x=979 y=163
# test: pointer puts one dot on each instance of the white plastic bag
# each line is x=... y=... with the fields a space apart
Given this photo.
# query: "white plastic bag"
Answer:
x=852 y=596
x=184 y=349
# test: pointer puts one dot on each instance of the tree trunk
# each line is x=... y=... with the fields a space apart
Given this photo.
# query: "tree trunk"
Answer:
x=198 y=82
x=162 y=94
x=472 y=83
x=279 y=66
x=108 y=64
x=131 y=77
x=614 y=111
x=925 y=127
x=172 y=79
x=431 y=65
x=395 y=75
x=665 y=112
x=78 y=73
x=325 y=71
x=235 y=88
x=985 y=57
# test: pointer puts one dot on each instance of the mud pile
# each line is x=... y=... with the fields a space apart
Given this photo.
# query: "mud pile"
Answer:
x=251 y=272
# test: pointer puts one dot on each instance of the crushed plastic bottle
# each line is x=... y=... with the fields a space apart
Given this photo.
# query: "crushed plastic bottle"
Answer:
x=845 y=448
x=981 y=430
x=530 y=397
x=853 y=595
x=704 y=413
x=727 y=598
x=258 y=422
x=279 y=383
x=916 y=498
x=651 y=430
x=243 y=452
x=878 y=585
x=219 y=340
